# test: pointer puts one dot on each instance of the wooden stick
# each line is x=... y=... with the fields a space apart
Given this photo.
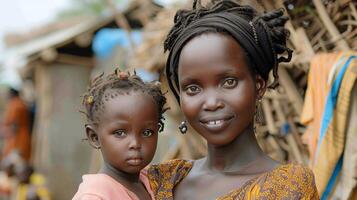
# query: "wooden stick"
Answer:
x=297 y=137
x=294 y=148
x=284 y=145
x=299 y=39
x=269 y=117
x=75 y=60
x=291 y=90
x=353 y=10
x=277 y=150
x=274 y=95
x=289 y=137
x=330 y=26
x=49 y=54
x=279 y=111
x=121 y=22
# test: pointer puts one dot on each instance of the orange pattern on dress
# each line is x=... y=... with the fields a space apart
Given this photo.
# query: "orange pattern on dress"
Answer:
x=289 y=181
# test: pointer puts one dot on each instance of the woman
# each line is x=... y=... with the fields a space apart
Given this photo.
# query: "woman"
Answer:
x=219 y=60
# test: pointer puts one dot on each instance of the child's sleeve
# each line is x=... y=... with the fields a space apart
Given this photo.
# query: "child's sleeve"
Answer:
x=88 y=197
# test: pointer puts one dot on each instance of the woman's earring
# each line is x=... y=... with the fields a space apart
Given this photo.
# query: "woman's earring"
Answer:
x=183 y=127
x=259 y=112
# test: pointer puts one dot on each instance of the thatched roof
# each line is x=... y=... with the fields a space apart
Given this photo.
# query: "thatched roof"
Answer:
x=311 y=29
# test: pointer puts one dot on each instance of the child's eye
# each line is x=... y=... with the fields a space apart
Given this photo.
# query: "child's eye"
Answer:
x=119 y=133
x=148 y=133
x=192 y=90
x=229 y=83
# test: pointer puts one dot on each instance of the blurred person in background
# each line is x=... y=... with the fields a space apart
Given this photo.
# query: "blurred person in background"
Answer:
x=15 y=127
x=8 y=179
x=31 y=185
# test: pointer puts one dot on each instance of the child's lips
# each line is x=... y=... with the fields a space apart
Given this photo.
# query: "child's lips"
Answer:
x=135 y=161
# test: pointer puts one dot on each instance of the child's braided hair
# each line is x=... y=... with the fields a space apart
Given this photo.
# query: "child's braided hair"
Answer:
x=120 y=83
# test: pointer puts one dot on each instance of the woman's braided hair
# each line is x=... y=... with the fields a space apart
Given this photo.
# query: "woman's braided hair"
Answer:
x=267 y=29
x=119 y=83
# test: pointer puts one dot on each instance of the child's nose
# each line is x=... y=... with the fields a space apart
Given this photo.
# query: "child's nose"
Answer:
x=134 y=143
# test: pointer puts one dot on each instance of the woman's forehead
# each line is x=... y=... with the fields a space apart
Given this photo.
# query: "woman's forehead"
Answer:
x=217 y=51
x=210 y=44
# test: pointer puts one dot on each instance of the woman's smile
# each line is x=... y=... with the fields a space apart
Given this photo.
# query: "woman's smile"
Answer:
x=216 y=123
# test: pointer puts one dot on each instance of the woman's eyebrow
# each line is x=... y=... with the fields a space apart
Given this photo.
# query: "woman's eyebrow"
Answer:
x=186 y=80
x=227 y=72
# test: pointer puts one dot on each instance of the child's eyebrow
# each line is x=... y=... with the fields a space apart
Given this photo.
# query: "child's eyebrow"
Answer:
x=120 y=121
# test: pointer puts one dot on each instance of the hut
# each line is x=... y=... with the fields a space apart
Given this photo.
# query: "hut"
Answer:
x=60 y=62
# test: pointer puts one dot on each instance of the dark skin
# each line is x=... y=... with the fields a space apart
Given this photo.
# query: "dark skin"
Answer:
x=218 y=94
x=127 y=138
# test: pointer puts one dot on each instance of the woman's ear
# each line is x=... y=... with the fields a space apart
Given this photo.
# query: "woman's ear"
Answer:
x=260 y=86
x=92 y=136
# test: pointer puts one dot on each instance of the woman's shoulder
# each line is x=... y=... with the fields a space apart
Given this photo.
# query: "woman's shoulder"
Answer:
x=293 y=170
x=290 y=180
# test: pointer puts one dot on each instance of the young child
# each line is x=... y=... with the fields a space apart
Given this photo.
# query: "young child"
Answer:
x=124 y=117
x=219 y=61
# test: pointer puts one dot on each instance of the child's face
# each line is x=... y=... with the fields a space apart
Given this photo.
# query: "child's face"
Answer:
x=217 y=89
x=127 y=131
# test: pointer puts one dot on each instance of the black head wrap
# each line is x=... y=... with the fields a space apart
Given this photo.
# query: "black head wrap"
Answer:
x=262 y=37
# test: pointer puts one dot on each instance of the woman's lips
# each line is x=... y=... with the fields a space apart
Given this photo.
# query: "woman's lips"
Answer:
x=216 y=123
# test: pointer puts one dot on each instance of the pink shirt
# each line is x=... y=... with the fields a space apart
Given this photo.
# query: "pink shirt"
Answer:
x=104 y=187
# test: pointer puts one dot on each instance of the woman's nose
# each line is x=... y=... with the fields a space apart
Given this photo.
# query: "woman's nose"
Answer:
x=212 y=102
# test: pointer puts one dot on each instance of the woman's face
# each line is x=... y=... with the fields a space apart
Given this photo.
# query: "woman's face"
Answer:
x=217 y=90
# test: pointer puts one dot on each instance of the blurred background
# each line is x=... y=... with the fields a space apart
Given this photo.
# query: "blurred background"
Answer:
x=49 y=50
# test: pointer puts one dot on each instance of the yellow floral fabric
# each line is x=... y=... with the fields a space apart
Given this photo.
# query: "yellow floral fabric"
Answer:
x=285 y=182
x=164 y=177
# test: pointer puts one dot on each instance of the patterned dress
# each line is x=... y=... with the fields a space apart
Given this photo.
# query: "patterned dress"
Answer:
x=289 y=181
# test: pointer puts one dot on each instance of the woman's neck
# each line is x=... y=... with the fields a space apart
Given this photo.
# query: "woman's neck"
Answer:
x=239 y=156
x=118 y=175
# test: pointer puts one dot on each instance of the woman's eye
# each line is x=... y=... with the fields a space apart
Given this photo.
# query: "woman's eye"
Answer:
x=229 y=83
x=148 y=133
x=192 y=90
x=119 y=133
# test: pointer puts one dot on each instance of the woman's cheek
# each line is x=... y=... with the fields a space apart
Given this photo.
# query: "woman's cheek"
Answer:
x=189 y=106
